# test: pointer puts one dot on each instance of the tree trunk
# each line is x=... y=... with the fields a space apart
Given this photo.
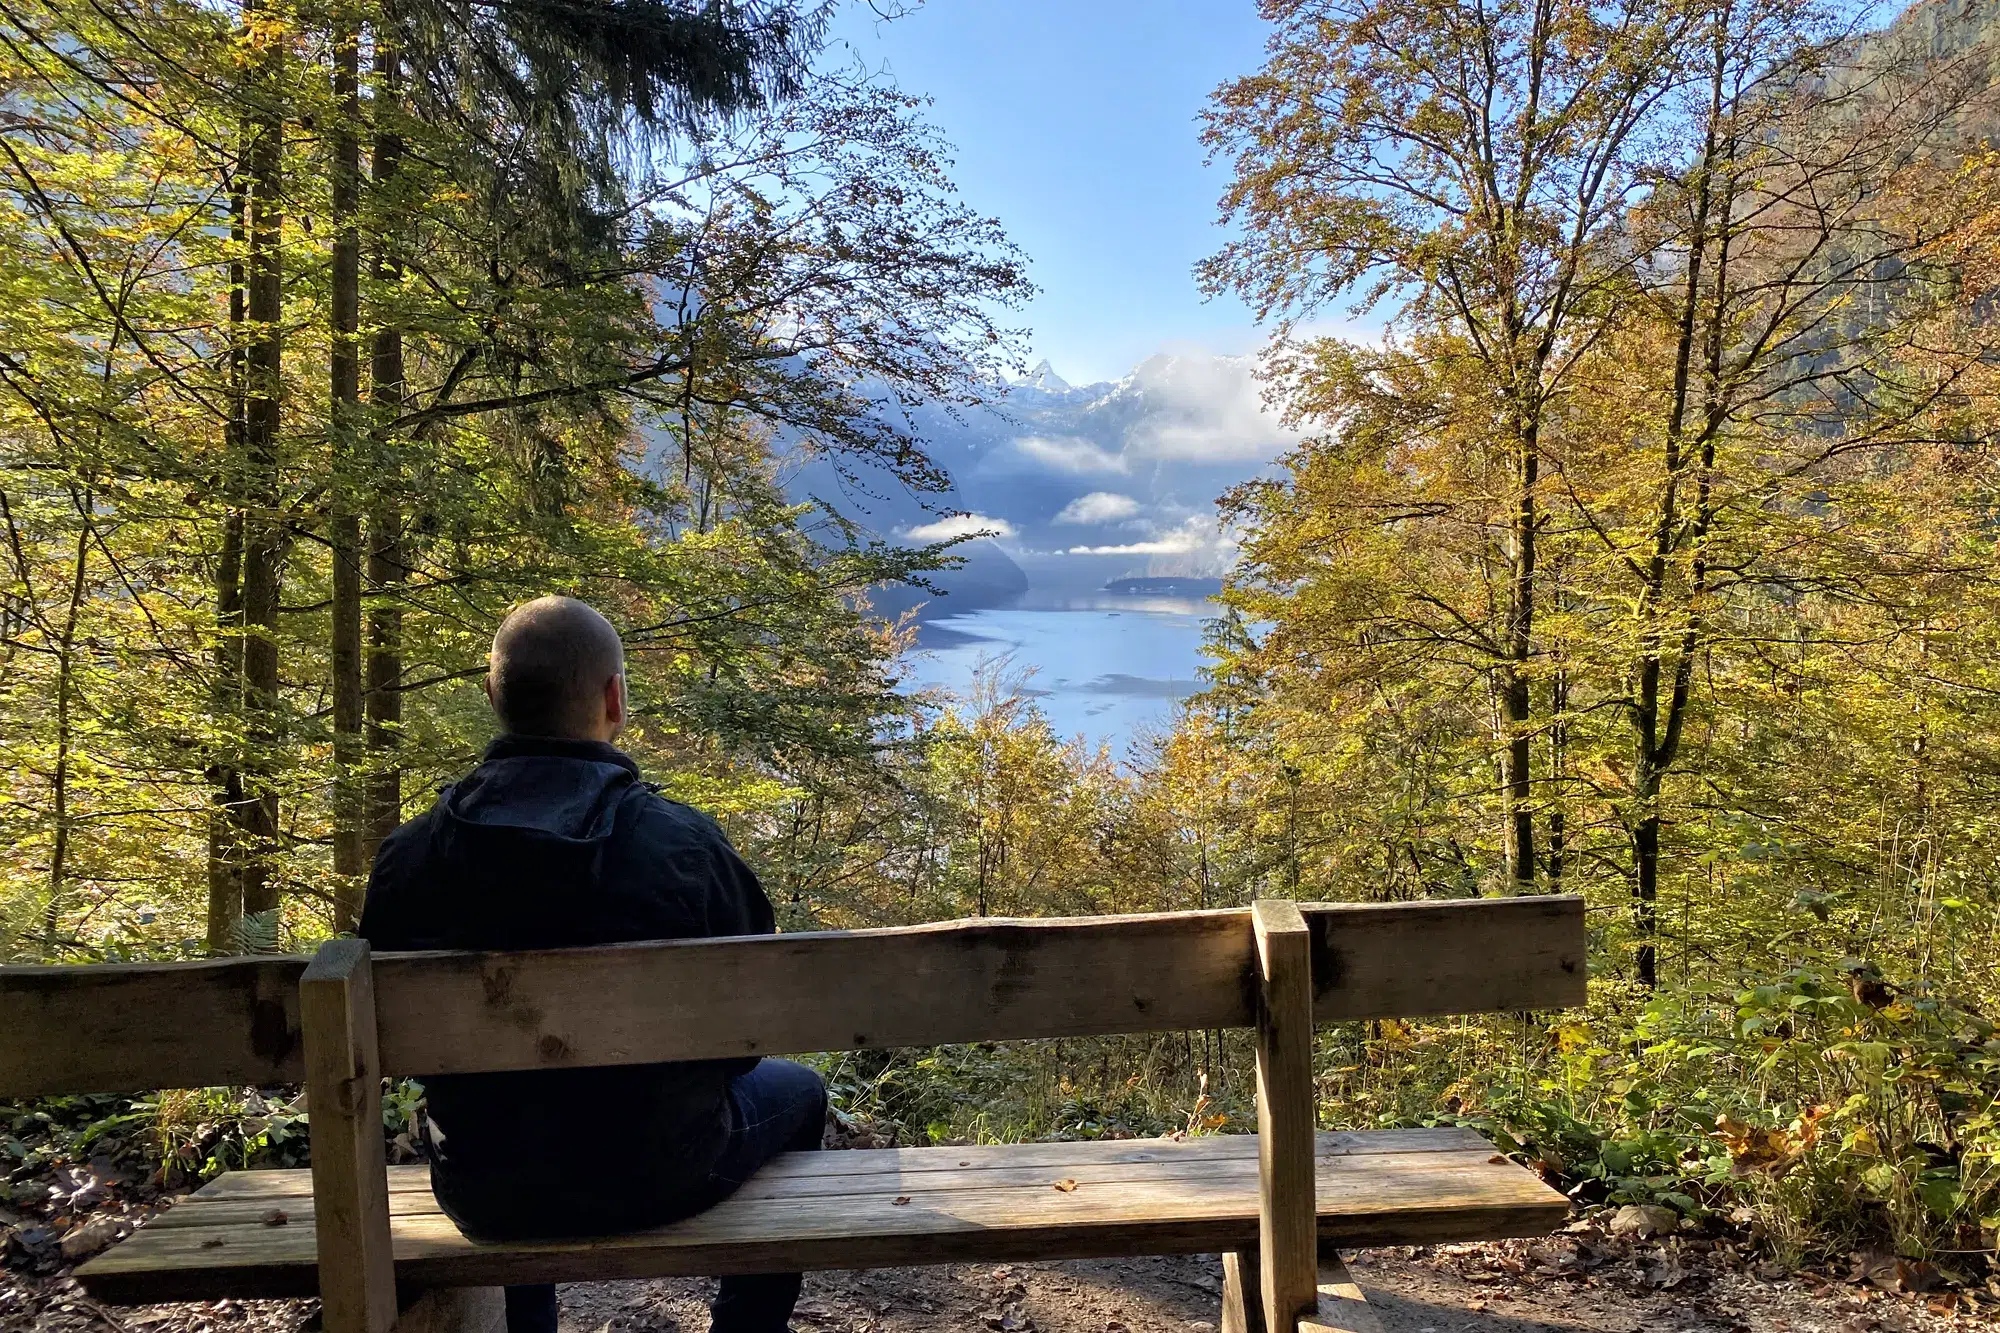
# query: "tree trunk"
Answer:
x=65 y=737
x=344 y=373
x=1646 y=895
x=386 y=556
x=225 y=706
x=1658 y=714
x=264 y=543
x=1517 y=761
x=1558 y=756
x=225 y=868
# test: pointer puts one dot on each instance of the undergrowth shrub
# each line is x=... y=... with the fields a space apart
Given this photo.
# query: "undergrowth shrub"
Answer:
x=178 y=1138
x=1828 y=1110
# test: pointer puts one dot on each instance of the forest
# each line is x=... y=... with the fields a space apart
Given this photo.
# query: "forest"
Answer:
x=1650 y=555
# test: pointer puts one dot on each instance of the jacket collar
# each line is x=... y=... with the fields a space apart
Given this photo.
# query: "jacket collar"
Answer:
x=514 y=746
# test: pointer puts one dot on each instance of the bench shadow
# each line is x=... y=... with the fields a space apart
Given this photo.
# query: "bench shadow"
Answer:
x=1408 y=1314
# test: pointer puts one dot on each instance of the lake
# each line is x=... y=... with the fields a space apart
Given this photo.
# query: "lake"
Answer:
x=1105 y=667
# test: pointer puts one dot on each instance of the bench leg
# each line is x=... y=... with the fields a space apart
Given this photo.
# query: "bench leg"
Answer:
x=1342 y=1307
x=1287 y=1181
x=357 y=1267
x=1242 y=1293
x=455 y=1310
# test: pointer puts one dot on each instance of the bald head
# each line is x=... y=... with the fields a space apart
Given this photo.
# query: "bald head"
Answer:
x=558 y=670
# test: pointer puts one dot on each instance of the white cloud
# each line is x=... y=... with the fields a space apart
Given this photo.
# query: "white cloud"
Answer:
x=1204 y=409
x=1202 y=544
x=1179 y=544
x=1098 y=507
x=1069 y=453
x=960 y=525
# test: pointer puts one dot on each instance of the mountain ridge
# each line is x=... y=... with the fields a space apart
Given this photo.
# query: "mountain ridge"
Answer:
x=1082 y=484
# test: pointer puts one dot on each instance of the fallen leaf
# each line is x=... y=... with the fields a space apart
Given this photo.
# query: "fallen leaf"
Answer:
x=89 y=1238
x=1876 y=1266
x=900 y=1200
x=277 y=1217
x=1664 y=1273
x=1764 y=1148
x=1643 y=1220
x=1066 y=1185
x=1916 y=1275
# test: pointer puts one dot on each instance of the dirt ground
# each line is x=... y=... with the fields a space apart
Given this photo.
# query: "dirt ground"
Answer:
x=1561 y=1285
x=1447 y=1289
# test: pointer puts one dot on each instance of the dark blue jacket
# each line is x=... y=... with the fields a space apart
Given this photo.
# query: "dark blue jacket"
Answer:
x=554 y=844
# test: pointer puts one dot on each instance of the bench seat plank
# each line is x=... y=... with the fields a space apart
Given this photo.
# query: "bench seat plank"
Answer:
x=841 y=1210
x=901 y=1161
x=246 y=1196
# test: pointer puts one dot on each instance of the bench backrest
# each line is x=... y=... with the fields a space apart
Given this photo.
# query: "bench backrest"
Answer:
x=130 y=1027
x=344 y=1019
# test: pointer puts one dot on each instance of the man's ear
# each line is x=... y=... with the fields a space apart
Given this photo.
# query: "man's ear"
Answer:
x=614 y=702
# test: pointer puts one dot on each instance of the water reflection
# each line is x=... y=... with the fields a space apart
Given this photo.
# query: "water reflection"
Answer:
x=1105 y=666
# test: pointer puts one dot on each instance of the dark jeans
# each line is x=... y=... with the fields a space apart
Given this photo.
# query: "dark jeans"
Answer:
x=776 y=1107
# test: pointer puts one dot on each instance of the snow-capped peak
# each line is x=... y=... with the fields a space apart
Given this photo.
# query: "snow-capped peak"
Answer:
x=1044 y=377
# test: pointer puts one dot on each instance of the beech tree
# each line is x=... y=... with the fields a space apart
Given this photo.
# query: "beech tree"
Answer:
x=1773 y=326
x=584 y=388
x=1474 y=162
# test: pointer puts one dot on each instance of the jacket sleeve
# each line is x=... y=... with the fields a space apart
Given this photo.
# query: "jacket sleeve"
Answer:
x=386 y=913
x=737 y=902
x=737 y=905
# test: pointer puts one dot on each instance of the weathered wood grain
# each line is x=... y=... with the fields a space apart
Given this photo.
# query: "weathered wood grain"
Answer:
x=959 y=981
x=897 y=1171
x=1286 y=1108
x=1242 y=1293
x=357 y=1272
x=127 y=1027
x=1405 y=1196
x=1479 y=955
x=911 y=1162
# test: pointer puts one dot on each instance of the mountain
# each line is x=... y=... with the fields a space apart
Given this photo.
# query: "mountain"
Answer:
x=1044 y=378
x=1079 y=485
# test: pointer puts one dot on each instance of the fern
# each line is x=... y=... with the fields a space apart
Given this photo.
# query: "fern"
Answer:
x=255 y=932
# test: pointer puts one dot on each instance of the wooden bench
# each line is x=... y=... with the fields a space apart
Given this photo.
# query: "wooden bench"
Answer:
x=370 y=1241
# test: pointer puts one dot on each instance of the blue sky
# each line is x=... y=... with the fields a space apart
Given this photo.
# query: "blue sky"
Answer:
x=1074 y=124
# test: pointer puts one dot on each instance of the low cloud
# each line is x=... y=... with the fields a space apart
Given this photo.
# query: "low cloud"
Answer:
x=1175 y=545
x=1198 y=545
x=960 y=525
x=1069 y=453
x=1203 y=409
x=1098 y=507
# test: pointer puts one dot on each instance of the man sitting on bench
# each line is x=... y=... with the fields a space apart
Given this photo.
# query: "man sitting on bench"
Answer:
x=554 y=842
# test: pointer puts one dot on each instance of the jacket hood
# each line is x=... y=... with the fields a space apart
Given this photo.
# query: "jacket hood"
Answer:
x=534 y=805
